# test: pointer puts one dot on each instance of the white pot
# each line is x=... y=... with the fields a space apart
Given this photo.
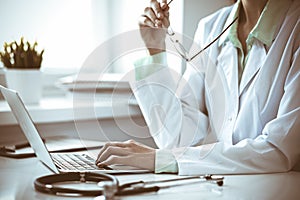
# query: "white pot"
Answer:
x=27 y=82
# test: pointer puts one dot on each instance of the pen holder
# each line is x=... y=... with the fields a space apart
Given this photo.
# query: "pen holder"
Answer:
x=28 y=83
x=22 y=62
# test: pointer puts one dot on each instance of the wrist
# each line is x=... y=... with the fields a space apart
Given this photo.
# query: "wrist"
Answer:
x=153 y=51
x=156 y=49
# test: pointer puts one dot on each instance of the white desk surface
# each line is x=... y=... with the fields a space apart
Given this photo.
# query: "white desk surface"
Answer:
x=17 y=177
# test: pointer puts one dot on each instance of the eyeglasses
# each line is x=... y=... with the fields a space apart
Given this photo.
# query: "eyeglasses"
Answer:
x=180 y=48
x=183 y=52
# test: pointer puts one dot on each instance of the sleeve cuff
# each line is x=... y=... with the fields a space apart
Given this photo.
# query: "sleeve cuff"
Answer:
x=165 y=161
x=149 y=65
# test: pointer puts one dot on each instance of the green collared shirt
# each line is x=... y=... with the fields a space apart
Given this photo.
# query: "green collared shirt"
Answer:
x=264 y=30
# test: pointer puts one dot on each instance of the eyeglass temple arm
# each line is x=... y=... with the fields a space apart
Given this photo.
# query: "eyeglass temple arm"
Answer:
x=213 y=40
x=170 y=2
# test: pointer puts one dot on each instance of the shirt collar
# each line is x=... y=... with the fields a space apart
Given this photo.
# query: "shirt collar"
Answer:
x=266 y=27
x=267 y=24
x=232 y=15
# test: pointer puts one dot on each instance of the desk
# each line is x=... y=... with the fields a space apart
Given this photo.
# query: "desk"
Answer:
x=17 y=177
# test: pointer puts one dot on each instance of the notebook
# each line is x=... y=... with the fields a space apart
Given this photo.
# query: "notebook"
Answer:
x=57 y=143
x=56 y=162
x=95 y=82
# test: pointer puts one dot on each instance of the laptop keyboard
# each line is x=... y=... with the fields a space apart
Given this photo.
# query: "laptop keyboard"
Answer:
x=74 y=162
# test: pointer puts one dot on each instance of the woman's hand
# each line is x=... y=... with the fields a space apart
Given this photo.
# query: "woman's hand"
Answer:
x=153 y=23
x=129 y=153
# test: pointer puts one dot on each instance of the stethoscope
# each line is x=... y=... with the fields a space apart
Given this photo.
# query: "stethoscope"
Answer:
x=109 y=184
x=138 y=187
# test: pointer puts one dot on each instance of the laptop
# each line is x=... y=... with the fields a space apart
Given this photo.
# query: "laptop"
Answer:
x=56 y=162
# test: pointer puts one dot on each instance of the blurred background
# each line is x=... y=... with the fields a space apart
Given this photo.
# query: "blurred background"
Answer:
x=69 y=30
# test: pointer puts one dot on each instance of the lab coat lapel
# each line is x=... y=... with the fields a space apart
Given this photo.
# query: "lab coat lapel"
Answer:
x=228 y=62
x=256 y=59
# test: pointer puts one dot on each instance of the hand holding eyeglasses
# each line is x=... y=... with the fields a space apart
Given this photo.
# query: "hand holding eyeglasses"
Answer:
x=153 y=24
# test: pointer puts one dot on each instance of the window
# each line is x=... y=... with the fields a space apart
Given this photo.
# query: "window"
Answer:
x=60 y=27
x=69 y=30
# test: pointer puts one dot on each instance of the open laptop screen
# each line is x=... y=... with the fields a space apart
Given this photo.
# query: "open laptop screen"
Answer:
x=22 y=116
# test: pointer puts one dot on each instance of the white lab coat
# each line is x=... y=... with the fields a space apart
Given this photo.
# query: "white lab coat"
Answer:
x=213 y=123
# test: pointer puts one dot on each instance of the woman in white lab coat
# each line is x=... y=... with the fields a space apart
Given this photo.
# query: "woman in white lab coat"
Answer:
x=237 y=107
